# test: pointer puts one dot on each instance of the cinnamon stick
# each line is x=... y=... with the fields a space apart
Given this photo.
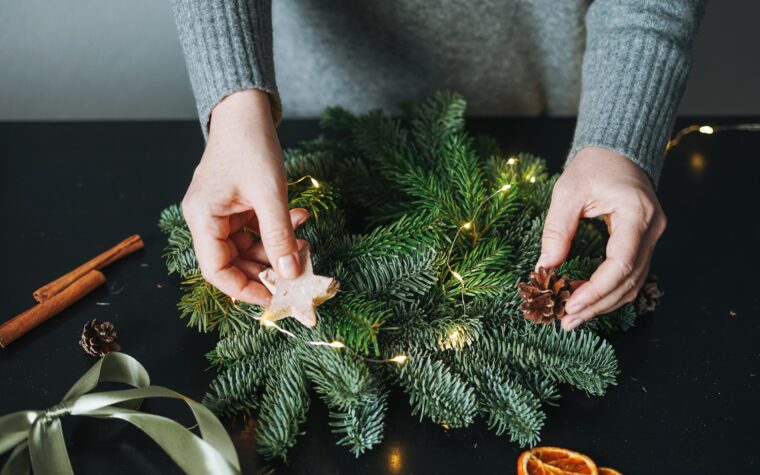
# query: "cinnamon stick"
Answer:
x=124 y=248
x=22 y=323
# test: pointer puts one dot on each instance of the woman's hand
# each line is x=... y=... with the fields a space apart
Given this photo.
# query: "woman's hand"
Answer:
x=600 y=182
x=240 y=184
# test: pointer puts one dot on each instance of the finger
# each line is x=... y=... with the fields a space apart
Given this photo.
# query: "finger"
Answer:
x=214 y=258
x=242 y=240
x=617 y=269
x=229 y=279
x=571 y=322
x=255 y=293
x=621 y=295
x=249 y=268
x=559 y=229
x=257 y=253
x=298 y=216
x=210 y=241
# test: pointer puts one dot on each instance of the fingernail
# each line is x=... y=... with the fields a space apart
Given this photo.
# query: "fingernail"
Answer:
x=575 y=307
x=287 y=265
x=572 y=324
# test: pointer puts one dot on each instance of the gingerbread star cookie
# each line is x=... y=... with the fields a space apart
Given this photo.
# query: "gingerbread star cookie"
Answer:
x=298 y=297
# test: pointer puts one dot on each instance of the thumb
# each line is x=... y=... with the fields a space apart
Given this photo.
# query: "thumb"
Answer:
x=559 y=229
x=277 y=235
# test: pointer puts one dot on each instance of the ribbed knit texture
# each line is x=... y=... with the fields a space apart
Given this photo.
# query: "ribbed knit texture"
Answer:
x=621 y=65
x=634 y=73
x=228 y=48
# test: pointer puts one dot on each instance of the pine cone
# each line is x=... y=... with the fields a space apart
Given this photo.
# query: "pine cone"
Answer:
x=99 y=338
x=649 y=296
x=545 y=296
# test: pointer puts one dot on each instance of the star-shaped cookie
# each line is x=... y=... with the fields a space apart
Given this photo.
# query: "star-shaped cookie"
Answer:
x=298 y=297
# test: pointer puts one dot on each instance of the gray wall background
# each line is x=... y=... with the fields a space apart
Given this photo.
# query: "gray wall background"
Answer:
x=121 y=59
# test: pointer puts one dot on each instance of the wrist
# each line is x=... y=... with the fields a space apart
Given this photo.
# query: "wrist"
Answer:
x=242 y=112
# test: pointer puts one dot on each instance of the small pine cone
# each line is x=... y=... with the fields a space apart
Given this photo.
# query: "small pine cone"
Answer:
x=545 y=295
x=99 y=338
x=649 y=296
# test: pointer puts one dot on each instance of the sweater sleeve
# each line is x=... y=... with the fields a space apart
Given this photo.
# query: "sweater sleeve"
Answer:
x=228 y=48
x=637 y=59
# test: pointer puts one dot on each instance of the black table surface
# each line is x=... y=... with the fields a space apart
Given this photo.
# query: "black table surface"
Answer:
x=687 y=395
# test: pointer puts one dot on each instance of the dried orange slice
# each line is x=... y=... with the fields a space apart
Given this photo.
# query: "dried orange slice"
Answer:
x=554 y=461
x=608 y=471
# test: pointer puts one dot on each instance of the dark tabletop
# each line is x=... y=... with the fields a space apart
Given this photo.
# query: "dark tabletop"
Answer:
x=687 y=396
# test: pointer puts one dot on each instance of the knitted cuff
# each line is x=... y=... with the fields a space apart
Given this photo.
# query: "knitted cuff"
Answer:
x=632 y=85
x=228 y=48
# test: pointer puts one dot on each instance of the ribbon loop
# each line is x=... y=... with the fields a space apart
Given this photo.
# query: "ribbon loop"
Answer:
x=37 y=439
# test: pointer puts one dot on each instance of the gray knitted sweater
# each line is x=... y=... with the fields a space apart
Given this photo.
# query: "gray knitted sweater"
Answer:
x=621 y=65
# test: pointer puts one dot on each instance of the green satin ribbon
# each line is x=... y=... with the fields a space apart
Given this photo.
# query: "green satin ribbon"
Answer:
x=37 y=441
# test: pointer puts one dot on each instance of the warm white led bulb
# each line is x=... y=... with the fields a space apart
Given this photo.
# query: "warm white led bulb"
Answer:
x=314 y=182
x=267 y=323
x=706 y=129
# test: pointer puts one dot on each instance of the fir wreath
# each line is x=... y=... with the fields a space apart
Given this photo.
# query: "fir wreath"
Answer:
x=448 y=228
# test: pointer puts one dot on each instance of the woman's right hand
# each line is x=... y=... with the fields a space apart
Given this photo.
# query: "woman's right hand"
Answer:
x=241 y=184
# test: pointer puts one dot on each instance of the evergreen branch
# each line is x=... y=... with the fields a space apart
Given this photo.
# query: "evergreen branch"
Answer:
x=483 y=270
x=236 y=389
x=208 y=309
x=619 y=320
x=444 y=332
x=408 y=235
x=339 y=378
x=179 y=254
x=429 y=192
x=501 y=210
x=462 y=171
x=436 y=392
x=509 y=407
x=579 y=358
x=528 y=247
x=337 y=119
x=360 y=425
x=579 y=268
x=357 y=320
x=283 y=409
x=354 y=395
x=317 y=163
x=588 y=241
x=399 y=278
x=255 y=342
x=385 y=143
x=433 y=122
x=171 y=219
x=547 y=391
x=326 y=239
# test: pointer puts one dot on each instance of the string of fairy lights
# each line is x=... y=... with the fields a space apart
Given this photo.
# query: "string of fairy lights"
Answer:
x=467 y=226
x=399 y=358
x=709 y=130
